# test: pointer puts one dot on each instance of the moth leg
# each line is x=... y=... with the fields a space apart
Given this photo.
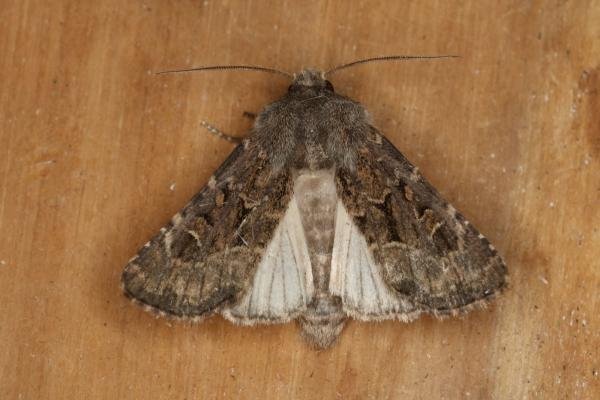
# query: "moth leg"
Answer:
x=220 y=134
x=249 y=115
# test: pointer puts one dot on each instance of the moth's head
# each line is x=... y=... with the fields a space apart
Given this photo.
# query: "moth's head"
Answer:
x=310 y=80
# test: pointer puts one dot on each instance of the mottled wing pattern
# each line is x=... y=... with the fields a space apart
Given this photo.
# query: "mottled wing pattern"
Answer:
x=418 y=253
x=205 y=259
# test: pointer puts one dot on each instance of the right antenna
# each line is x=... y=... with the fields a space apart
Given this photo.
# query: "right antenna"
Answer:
x=385 y=58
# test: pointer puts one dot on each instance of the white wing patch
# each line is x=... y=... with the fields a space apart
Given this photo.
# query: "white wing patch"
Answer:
x=355 y=276
x=283 y=283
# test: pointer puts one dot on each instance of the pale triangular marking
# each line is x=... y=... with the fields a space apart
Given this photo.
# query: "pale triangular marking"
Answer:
x=355 y=276
x=283 y=282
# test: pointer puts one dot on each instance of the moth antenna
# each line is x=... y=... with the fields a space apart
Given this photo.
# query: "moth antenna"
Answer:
x=228 y=67
x=385 y=58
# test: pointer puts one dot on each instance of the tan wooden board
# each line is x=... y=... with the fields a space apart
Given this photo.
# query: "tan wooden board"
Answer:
x=97 y=152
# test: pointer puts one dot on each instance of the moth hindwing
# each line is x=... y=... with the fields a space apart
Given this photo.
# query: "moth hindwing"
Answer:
x=315 y=217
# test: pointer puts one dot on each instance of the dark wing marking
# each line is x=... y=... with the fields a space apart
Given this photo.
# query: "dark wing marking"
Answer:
x=205 y=258
x=429 y=255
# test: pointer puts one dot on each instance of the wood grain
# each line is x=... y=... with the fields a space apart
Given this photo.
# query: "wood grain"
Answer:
x=97 y=152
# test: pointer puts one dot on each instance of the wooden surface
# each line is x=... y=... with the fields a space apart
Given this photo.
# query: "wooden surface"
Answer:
x=97 y=153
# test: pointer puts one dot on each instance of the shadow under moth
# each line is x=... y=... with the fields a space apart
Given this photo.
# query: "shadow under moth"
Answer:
x=315 y=217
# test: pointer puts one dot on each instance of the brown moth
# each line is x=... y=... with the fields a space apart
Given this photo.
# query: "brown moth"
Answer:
x=315 y=217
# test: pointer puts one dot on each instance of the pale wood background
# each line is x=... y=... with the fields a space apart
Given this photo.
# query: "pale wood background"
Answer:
x=97 y=153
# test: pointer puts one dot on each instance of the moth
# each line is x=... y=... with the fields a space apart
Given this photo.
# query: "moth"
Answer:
x=315 y=217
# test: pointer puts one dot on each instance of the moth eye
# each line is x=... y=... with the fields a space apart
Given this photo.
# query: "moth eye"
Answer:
x=328 y=86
